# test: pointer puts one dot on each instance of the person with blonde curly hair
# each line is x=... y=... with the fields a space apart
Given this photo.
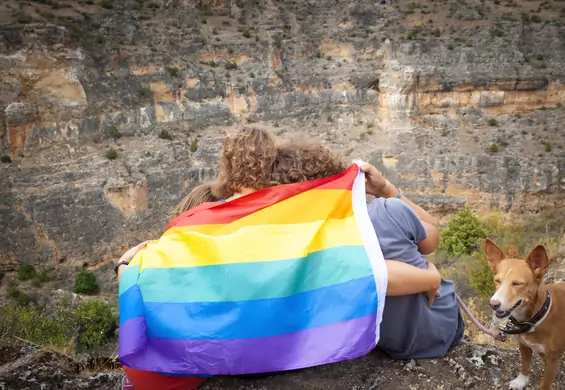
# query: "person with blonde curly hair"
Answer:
x=246 y=165
x=246 y=162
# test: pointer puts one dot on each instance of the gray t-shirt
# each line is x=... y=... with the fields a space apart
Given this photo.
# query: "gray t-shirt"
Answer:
x=410 y=330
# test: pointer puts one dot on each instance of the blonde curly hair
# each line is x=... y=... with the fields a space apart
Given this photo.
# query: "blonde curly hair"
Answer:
x=200 y=194
x=246 y=161
x=301 y=160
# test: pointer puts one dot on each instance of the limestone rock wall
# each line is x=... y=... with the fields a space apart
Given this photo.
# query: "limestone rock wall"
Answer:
x=469 y=114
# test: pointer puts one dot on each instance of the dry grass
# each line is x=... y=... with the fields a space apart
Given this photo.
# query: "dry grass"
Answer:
x=475 y=335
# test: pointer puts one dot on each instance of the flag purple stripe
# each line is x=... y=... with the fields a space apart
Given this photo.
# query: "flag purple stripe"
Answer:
x=132 y=338
x=326 y=344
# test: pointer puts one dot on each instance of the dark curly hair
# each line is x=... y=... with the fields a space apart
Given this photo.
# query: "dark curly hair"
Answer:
x=246 y=161
x=301 y=160
x=199 y=194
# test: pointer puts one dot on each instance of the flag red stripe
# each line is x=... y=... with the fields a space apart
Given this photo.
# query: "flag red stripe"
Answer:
x=226 y=212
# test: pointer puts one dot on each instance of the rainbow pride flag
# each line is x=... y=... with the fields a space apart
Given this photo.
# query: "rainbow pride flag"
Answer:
x=285 y=278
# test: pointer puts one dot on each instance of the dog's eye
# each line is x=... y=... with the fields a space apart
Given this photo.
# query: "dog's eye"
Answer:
x=516 y=283
x=497 y=281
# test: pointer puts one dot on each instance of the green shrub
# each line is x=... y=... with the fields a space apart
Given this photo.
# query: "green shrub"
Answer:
x=96 y=323
x=492 y=122
x=30 y=324
x=86 y=283
x=164 y=134
x=494 y=148
x=174 y=72
x=26 y=272
x=111 y=154
x=114 y=132
x=92 y=324
x=194 y=146
x=252 y=75
x=461 y=235
x=278 y=39
x=411 y=35
x=108 y=4
x=23 y=299
x=231 y=65
x=40 y=278
x=145 y=91
x=6 y=159
x=548 y=147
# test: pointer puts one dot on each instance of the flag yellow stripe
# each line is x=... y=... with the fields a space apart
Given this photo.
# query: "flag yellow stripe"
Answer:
x=310 y=206
x=256 y=243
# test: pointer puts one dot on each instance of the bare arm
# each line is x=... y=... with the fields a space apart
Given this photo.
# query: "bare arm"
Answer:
x=431 y=242
x=390 y=191
x=405 y=279
x=128 y=256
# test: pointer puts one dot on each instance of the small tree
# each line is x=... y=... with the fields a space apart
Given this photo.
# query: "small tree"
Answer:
x=462 y=233
x=481 y=277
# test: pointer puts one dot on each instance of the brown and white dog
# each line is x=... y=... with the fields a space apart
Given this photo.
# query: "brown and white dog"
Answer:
x=536 y=311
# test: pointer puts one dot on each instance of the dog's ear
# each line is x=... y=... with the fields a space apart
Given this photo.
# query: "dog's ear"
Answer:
x=538 y=261
x=494 y=254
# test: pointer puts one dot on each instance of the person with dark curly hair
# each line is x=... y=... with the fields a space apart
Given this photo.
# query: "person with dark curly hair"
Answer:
x=300 y=159
x=414 y=325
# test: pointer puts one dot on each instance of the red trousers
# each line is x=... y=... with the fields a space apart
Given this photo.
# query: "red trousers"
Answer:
x=145 y=380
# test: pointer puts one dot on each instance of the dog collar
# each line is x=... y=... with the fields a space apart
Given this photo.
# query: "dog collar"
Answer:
x=513 y=326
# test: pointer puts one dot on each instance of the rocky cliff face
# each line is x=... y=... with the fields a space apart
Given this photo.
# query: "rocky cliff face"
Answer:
x=457 y=101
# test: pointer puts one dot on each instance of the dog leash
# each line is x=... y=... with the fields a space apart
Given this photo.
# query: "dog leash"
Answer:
x=499 y=336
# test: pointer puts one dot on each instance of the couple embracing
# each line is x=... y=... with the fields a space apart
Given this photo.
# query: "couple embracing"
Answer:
x=421 y=318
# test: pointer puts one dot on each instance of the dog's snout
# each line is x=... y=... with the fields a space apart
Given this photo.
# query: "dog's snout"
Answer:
x=495 y=304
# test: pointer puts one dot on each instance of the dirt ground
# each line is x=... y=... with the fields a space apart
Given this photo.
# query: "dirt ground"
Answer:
x=467 y=366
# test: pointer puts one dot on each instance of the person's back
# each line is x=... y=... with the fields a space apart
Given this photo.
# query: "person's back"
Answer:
x=409 y=328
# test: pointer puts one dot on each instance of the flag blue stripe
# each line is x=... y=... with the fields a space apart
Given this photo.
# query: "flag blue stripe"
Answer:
x=131 y=304
x=257 y=318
